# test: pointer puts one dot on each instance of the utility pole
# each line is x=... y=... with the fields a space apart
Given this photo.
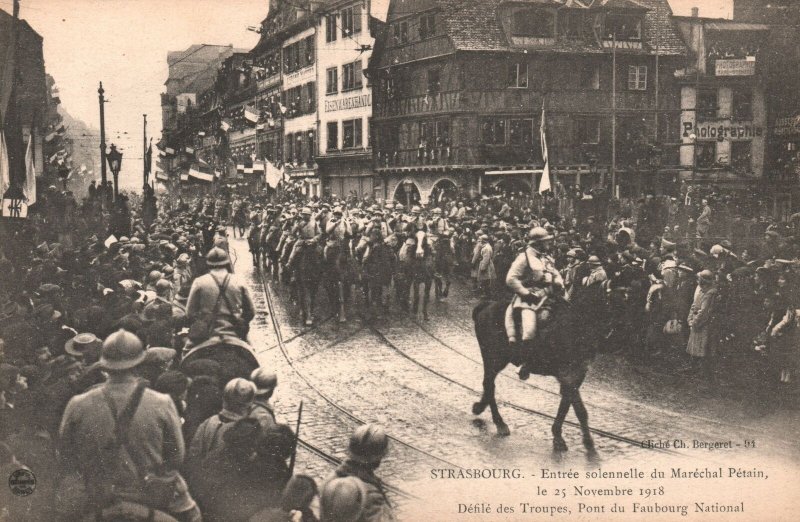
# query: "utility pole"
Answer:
x=103 y=177
x=614 y=114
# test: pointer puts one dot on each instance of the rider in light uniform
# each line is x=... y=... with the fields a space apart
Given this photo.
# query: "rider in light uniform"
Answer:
x=533 y=277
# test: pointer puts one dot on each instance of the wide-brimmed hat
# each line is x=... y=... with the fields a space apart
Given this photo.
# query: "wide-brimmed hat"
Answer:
x=122 y=350
x=81 y=344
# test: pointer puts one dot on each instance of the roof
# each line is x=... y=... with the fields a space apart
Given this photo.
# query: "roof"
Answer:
x=473 y=25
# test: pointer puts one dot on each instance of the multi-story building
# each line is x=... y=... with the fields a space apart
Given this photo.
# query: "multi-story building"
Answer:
x=459 y=89
x=723 y=101
x=344 y=98
x=782 y=57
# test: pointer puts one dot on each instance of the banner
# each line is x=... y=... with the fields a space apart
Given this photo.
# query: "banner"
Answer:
x=200 y=175
x=250 y=115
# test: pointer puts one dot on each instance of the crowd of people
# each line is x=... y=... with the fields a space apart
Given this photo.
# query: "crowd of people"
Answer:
x=97 y=309
x=98 y=304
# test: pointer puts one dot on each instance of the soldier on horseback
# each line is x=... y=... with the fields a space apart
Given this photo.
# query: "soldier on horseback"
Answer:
x=534 y=279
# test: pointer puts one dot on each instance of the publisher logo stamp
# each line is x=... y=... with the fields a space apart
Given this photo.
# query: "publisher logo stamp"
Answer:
x=22 y=482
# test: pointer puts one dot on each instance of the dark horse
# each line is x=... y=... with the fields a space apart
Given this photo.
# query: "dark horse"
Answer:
x=567 y=346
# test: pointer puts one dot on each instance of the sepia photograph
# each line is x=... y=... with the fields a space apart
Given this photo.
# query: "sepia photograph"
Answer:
x=399 y=260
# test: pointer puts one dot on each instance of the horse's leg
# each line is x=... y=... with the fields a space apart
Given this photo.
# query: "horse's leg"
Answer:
x=415 y=290
x=426 y=298
x=583 y=419
x=488 y=390
x=559 y=444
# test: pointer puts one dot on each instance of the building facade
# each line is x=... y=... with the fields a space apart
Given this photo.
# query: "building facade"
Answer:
x=723 y=102
x=344 y=98
x=460 y=87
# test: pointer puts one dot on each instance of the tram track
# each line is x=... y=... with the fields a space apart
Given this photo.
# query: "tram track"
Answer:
x=340 y=410
x=523 y=409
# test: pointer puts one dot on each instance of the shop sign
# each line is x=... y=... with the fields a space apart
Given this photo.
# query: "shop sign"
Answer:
x=353 y=102
x=745 y=67
x=719 y=132
x=787 y=126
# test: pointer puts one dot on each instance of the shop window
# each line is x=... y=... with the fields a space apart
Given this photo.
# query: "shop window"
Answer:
x=536 y=23
x=742 y=104
x=330 y=28
x=707 y=105
x=587 y=130
x=518 y=76
x=590 y=77
x=493 y=131
x=570 y=24
x=351 y=134
x=427 y=26
x=741 y=154
x=332 y=80
x=434 y=81
x=637 y=77
x=333 y=135
x=706 y=154
x=351 y=76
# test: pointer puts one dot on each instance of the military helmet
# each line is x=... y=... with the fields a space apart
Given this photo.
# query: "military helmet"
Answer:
x=538 y=234
x=416 y=210
x=306 y=211
x=437 y=210
x=368 y=444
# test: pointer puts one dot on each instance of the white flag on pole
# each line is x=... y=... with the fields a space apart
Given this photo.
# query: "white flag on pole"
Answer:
x=544 y=183
x=30 y=173
x=5 y=173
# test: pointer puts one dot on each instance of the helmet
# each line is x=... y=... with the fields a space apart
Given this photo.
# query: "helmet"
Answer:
x=264 y=380
x=538 y=234
x=306 y=211
x=416 y=210
x=122 y=350
x=238 y=394
x=400 y=207
x=594 y=260
x=717 y=250
x=217 y=257
x=437 y=210
x=338 y=210
x=343 y=498
x=154 y=276
x=368 y=444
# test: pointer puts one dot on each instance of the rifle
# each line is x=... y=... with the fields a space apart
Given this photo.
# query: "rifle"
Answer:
x=296 y=440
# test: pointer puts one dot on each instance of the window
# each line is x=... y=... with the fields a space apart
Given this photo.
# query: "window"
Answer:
x=427 y=26
x=333 y=135
x=351 y=134
x=309 y=51
x=351 y=76
x=332 y=83
x=330 y=28
x=493 y=132
x=637 y=77
x=623 y=27
x=536 y=23
x=742 y=104
x=518 y=76
x=288 y=58
x=707 y=105
x=351 y=21
x=434 y=81
x=741 y=155
x=520 y=132
x=311 y=97
x=706 y=154
x=587 y=130
x=401 y=33
x=590 y=77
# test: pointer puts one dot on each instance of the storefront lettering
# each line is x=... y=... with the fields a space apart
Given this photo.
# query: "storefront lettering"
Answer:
x=722 y=132
x=787 y=126
x=354 y=102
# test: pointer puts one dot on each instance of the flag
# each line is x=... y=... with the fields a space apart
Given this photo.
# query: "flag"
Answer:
x=544 y=183
x=258 y=166
x=225 y=125
x=274 y=175
x=5 y=174
x=148 y=162
x=200 y=175
x=30 y=173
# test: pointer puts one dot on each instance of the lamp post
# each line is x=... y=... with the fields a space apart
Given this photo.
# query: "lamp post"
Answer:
x=115 y=162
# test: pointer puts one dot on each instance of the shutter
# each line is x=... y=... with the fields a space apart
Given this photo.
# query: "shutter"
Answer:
x=357 y=19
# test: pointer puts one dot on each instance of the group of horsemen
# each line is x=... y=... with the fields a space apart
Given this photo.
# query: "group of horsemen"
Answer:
x=277 y=233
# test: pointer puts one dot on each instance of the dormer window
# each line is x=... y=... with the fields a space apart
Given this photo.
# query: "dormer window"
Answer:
x=623 y=27
x=535 y=23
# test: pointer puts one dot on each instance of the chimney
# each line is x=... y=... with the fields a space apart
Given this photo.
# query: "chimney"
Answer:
x=695 y=12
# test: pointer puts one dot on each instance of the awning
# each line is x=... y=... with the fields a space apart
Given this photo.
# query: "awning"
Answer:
x=512 y=172
x=194 y=173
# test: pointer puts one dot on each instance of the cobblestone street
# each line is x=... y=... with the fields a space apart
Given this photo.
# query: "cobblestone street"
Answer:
x=419 y=379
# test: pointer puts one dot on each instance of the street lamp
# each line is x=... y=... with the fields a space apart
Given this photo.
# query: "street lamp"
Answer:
x=115 y=162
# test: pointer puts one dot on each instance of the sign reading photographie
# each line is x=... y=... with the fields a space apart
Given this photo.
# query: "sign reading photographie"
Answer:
x=720 y=132
x=744 y=67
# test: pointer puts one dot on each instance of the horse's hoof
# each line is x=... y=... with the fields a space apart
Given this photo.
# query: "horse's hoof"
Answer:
x=503 y=431
x=588 y=443
x=592 y=455
x=559 y=444
x=478 y=408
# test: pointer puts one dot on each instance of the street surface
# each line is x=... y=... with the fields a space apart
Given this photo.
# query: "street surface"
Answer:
x=419 y=379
